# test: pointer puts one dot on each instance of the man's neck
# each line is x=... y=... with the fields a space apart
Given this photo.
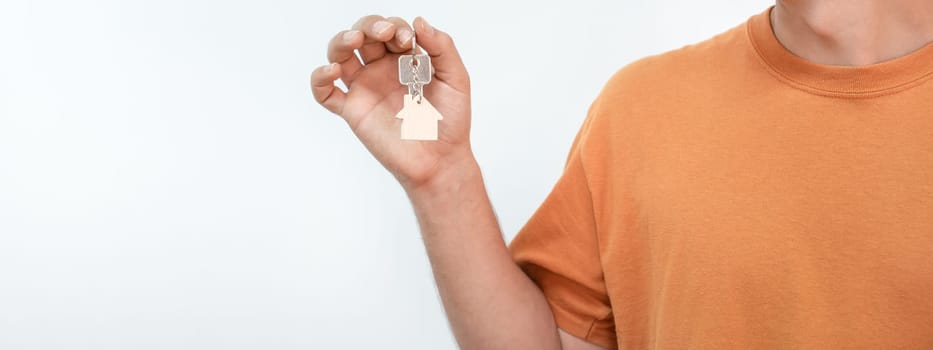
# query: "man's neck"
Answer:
x=852 y=32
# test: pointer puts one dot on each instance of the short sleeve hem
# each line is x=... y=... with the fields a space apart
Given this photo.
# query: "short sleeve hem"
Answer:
x=585 y=328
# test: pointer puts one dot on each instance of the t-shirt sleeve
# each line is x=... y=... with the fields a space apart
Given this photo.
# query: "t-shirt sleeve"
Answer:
x=558 y=249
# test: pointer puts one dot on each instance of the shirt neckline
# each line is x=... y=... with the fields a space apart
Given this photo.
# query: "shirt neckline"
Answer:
x=876 y=79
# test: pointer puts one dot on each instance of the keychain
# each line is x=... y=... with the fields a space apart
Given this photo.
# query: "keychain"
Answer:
x=419 y=117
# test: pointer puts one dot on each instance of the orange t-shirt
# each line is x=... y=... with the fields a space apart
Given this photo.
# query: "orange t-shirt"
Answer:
x=731 y=195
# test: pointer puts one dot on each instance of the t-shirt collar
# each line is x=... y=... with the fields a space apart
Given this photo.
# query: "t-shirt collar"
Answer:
x=869 y=80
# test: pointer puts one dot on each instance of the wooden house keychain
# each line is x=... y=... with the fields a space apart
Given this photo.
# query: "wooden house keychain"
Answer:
x=419 y=117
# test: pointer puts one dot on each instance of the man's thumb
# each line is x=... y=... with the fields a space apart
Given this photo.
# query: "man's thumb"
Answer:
x=448 y=66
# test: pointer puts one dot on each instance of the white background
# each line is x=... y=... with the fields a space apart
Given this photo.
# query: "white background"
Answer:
x=167 y=181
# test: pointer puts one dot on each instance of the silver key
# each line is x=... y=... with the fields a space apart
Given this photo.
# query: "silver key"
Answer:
x=412 y=67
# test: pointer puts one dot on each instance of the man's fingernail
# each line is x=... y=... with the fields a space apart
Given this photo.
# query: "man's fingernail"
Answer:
x=329 y=68
x=404 y=35
x=381 y=26
x=349 y=35
x=427 y=26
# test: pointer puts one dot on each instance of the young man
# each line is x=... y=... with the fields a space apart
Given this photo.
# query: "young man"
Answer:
x=768 y=188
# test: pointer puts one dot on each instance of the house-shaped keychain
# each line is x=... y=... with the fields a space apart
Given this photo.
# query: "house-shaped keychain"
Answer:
x=419 y=119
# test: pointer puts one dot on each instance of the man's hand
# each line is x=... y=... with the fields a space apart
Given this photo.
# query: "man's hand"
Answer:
x=374 y=95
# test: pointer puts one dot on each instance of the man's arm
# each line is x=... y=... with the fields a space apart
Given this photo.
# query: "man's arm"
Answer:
x=490 y=302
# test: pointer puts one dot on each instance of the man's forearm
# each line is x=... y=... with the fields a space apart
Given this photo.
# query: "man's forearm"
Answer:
x=490 y=302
